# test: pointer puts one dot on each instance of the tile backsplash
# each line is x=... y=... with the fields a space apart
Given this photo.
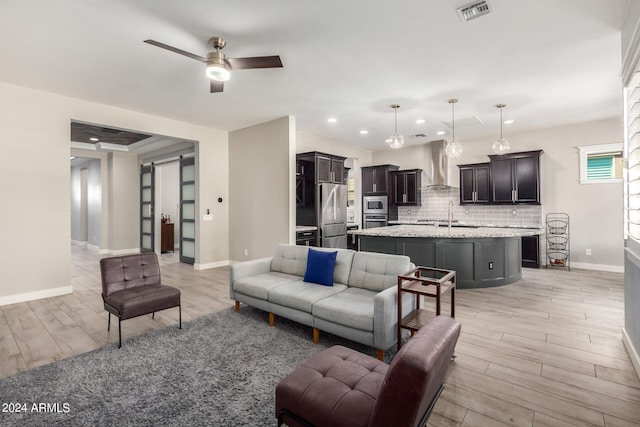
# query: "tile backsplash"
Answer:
x=435 y=205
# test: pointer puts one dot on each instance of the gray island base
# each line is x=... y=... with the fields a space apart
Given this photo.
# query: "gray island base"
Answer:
x=482 y=257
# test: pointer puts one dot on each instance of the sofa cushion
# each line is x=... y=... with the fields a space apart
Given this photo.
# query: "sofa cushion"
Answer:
x=301 y=296
x=258 y=286
x=320 y=266
x=352 y=308
x=377 y=272
x=292 y=259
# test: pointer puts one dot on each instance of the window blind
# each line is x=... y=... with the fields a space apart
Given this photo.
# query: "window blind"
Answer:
x=600 y=167
x=632 y=154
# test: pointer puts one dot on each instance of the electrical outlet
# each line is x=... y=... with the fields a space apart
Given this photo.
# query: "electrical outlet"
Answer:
x=587 y=252
x=408 y=211
x=246 y=252
x=490 y=265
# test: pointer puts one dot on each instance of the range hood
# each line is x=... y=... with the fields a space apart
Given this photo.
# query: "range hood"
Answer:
x=439 y=165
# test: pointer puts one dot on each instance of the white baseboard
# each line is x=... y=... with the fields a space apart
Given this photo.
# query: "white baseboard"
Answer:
x=211 y=265
x=79 y=243
x=633 y=354
x=96 y=248
x=599 y=267
x=30 y=296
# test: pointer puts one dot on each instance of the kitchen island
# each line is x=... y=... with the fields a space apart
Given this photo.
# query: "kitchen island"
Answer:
x=481 y=256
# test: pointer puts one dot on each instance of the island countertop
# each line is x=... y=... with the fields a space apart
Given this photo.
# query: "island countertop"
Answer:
x=445 y=233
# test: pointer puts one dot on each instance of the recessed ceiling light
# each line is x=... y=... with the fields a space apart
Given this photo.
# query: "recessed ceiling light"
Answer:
x=332 y=120
x=508 y=122
x=441 y=132
x=420 y=121
x=364 y=132
x=94 y=139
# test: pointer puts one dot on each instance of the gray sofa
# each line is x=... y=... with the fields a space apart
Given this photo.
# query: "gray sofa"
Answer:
x=361 y=305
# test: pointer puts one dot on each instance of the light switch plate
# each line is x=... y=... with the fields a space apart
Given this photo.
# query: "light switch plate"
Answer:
x=207 y=217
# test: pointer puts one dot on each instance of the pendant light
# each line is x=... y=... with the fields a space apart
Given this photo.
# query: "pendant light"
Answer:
x=453 y=149
x=501 y=146
x=396 y=140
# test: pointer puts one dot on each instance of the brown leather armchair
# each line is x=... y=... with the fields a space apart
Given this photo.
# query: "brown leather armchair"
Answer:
x=131 y=287
x=342 y=387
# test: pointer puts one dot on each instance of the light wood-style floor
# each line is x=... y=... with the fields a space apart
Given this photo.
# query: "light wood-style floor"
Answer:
x=545 y=351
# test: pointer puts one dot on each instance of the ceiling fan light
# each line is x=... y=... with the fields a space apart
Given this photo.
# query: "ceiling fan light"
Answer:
x=218 y=73
x=217 y=67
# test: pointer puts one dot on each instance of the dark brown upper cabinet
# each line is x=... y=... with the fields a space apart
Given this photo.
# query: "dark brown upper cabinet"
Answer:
x=330 y=169
x=515 y=177
x=376 y=179
x=326 y=167
x=406 y=187
x=475 y=183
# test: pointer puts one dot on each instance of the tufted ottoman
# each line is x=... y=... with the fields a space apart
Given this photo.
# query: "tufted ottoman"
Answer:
x=342 y=387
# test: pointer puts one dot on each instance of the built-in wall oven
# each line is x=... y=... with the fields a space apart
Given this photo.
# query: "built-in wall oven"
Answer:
x=375 y=211
x=374 y=220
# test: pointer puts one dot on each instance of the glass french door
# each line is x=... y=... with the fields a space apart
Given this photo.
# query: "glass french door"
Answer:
x=147 y=198
x=187 y=210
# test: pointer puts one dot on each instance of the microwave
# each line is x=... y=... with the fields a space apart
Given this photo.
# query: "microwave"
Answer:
x=375 y=205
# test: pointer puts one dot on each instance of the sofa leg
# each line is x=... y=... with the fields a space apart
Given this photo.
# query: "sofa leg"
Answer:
x=237 y=306
x=380 y=354
x=109 y=322
x=272 y=319
x=316 y=335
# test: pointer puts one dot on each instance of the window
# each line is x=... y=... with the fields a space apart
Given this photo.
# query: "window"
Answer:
x=601 y=163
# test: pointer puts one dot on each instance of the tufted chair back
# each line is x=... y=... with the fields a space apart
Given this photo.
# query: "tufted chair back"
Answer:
x=128 y=271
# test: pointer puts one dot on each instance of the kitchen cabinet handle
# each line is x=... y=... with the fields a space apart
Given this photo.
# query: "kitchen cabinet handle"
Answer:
x=374 y=187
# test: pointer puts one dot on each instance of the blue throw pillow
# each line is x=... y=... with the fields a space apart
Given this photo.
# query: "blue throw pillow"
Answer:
x=320 y=265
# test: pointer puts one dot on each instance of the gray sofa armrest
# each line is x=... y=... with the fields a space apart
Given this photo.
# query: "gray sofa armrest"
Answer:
x=385 y=316
x=244 y=269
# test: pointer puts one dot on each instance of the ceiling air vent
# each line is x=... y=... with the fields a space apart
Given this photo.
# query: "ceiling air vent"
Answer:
x=474 y=10
x=418 y=135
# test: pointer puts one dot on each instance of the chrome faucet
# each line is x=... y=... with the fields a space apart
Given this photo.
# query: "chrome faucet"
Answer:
x=450 y=215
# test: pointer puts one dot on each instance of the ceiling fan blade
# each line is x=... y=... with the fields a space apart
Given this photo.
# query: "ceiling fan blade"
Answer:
x=255 y=62
x=216 y=86
x=176 y=50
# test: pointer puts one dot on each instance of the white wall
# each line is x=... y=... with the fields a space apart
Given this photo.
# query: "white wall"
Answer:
x=86 y=203
x=34 y=125
x=261 y=188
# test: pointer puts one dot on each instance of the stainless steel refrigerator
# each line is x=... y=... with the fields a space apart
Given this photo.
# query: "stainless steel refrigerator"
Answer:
x=332 y=215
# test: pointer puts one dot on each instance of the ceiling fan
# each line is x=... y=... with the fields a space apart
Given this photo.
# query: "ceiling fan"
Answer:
x=219 y=65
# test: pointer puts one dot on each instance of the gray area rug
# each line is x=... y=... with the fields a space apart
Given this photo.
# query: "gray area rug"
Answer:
x=219 y=370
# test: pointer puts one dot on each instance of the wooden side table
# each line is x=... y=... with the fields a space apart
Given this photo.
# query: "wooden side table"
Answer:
x=428 y=282
x=166 y=237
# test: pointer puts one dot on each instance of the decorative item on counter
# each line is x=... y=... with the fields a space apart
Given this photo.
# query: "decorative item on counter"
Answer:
x=162 y=218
